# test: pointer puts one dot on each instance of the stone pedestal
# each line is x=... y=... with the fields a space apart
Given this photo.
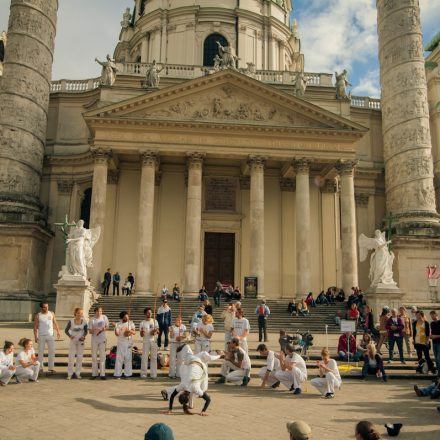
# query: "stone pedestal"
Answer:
x=382 y=295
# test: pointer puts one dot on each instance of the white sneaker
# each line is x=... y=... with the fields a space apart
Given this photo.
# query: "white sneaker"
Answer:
x=69 y=377
x=78 y=376
x=143 y=376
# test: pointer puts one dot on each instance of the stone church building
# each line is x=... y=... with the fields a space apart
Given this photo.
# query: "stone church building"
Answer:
x=215 y=172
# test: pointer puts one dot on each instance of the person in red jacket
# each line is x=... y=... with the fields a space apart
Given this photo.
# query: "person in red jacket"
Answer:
x=348 y=341
x=395 y=328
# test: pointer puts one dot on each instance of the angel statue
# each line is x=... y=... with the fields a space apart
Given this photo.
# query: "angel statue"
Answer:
x=80 y=244
x=381 y=260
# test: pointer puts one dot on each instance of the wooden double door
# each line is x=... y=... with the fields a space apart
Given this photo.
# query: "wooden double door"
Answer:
x=219 y=259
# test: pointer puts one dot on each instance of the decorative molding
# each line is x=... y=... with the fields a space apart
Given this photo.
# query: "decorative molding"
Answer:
x=101 y=155
x=149 y=158
x=361 y=199
x=245 y=182
x=346 y=167
x=257 y=163
x=65 y=186
x=113 y=176
x=287 y=184
x=301 y=166
x=194 y=160
x=330 y=186
x=157 y=178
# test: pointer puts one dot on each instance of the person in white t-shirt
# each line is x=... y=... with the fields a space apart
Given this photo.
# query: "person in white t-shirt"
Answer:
x=267 y=373
x=240 y=329
x=293 y=370
x=28 y=367
x=204 y=331
x=228 y=315
x=236 y=366
x=124 y=330
x=178 y=336
x=149 y=328
x=7 y=367
x=329 y=379
x=76 y=330
x=98 y=325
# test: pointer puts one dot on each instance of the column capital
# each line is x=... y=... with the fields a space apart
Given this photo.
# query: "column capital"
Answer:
x=330 y=186
x=346 y=167
x=113 y=176
x=301 y=166
x=149 y=158
x=65 y=186
x=101 y=155
x=245 y=182
x=257 y=162
x=361 y=199
x=194 y=160
x=287 y=184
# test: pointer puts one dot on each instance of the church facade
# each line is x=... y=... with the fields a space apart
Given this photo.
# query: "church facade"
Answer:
x=208 y=171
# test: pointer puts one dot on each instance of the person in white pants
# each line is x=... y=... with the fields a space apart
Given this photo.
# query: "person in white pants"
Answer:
x=204 y=331
x=228 y=315
x=177 y=337
x=149 y=328
x=76 y=330
x=240 y=328
x=236 y=366
x=267 y=373
x=7 y=367
x=44 y=325
x=329 y=379
x=293 y=370
x=28 y=367
x=98 y=326
x=124 y=330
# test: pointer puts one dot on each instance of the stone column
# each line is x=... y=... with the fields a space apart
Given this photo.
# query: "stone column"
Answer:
x=24 y=101
x=256 y=215
x=302 y=215
x=97 y=209
x=193 y=223
x=405 y=117
x=146 y=221
x=348 y=225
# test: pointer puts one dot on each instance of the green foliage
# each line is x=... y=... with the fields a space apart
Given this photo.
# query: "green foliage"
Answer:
x=433 y=43
x=430 y=65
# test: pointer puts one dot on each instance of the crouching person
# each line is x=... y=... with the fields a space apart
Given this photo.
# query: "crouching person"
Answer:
x=236 y=366
x=293 y=372
x=27 y=365
x=329 y=379
x=267 y=373
x=373 y=363
x=7 y=367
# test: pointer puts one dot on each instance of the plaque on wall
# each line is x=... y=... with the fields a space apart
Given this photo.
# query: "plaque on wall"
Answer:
x=250 y=287
x=220 y=193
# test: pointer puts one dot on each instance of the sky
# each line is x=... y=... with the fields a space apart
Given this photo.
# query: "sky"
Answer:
x=335 y=34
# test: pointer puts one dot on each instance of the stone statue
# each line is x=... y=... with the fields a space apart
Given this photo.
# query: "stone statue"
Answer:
x=341 y=85
x=108 y=75
x=381 y=260
x=152 y=76
x=300 y=84
x=228 y=57
x=126 y=17
x=217 y=63
x=80 y=244
x=251 y=70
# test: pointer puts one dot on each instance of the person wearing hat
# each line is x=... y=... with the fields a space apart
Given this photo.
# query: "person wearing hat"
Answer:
x=159 y=431
x=299 y=430
x=262 y=311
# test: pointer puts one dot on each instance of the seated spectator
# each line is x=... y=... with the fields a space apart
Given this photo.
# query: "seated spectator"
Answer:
x=373 y=363
x=348 y=340
x=340 y=297
x=126 y=287
x=330 y=296
x=338 y=318
x=176 y=293
x=284 y=340
x=203 y=294
x=365 y=341
x=366 y=431
x=164 y=293
x=303 y=310
x=236 y=294
x=159 y=431
x=353 y=313
x=322 y=299
x=291 y=308
x=229 y=292
x=310 y=301
x=432 y=390
x=299 y=430
x=207 y=306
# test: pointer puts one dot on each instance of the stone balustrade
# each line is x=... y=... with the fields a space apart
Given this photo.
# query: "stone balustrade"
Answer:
x=74 y=85
x=365 y=102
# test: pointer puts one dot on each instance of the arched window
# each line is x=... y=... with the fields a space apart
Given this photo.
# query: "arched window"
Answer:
x=210 y=48
x=85 y=207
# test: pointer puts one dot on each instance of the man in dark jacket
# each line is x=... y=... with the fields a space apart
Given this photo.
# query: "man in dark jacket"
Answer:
x=395 y=328
x=107 y=281
x=163 y=318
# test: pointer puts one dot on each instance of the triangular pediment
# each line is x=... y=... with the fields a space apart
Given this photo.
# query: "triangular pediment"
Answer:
x=225 y=98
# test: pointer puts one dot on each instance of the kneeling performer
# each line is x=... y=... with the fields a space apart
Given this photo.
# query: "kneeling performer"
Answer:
x=267 y=373
x=293 y=370
x=236 y=366
x=329 y=376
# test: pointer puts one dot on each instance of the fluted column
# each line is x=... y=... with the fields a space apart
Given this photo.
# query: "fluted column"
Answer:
x=193 y=223
x=97 y=209
x=410 y=195
x=302 y=214
x=256 y=214
x=146 y=221
x=348 y=224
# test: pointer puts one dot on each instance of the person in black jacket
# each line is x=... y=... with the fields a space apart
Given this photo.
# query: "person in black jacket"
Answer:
x=107 y=281
x=369 y=320
x=373 y=363
x=421 y=334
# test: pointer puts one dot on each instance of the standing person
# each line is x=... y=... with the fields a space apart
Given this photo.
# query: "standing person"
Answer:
x=7 y=367
x=435 y=337
x=149 y=328
x=329 y=378
x=236 y=366
x=383 y=320
x=407 y=332
x=240 y=329
x=107 y=281
x=163 y=317
x=116 y=281
x=228 y=315
x=28 y=367
x=262 y=312
x=237 y=294
x=268 y=372
x=369 y=320
x=176 y=293
x=373 y=363
x=178 y=337
x=204 y=332
x=124 y=330
x=395 y=335
x=218 y=293
x=293 y=371
x=130 y=278
x=421 y=335
x=76 y=330
x=44 y=325
x=98 y=326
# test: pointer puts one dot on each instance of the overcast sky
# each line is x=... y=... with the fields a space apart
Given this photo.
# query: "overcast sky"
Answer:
x=335 y=34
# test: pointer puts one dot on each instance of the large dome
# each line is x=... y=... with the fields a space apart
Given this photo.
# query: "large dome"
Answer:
x=183 y=32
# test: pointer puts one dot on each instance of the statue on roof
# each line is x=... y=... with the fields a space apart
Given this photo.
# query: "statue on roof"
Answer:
x=228 y=56
x=152 y=76
x=126 y=17
x=341 y=85
x=108 y=74
x=300 y=84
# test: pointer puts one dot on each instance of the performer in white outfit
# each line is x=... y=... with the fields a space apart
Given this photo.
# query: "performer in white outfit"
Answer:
x=267 y=373
x=124 y=330
x=228 y=315
x=76 y=330
x=28 y=367
x=149 y=328
x=240 y=329
x=98 y=326
x=204 y=331
x=7 y=367
x=44 y=325
x=236 y=366
x=177 y=337
x=293 y=370
x=329 y=376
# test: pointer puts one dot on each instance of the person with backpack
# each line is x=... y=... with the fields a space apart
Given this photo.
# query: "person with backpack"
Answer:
x=124 y=330
x=263 y=312
x=149 y=328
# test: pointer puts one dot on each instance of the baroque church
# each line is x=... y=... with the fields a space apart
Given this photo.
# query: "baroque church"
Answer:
x=206 y=151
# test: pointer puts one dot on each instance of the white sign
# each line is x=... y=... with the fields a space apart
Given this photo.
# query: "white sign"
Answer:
x=348 y=326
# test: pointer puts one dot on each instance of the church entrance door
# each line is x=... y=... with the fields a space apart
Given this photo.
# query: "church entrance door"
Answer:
x=219 y=259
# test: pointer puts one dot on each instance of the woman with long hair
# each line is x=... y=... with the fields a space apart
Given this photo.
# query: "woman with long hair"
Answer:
x=7 y=367
x=76 y=330
x=421 y=334
x=407 y=334
x=28 y=367
x=373 y=363
x=383 y=319
x=366 y=431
